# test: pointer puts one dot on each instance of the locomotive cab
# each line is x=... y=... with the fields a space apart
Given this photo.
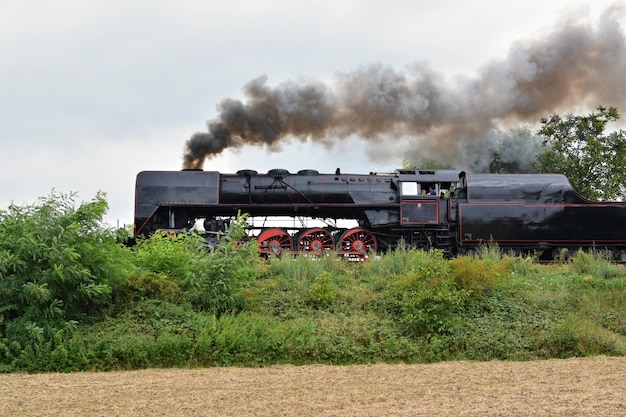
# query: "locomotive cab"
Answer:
x=420 y=194
x=426 y=183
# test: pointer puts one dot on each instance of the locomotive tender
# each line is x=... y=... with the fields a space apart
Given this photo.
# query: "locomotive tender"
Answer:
x=425 y=208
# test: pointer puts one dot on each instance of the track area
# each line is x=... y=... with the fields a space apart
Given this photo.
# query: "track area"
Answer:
x=573 y=387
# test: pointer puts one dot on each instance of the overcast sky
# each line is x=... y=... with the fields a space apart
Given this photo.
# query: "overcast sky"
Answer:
x=92 y=92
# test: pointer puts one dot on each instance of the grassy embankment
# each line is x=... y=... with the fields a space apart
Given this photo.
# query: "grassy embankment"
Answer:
x=405 y=306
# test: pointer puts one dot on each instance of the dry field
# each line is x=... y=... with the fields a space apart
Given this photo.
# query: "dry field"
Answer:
x=573 y=387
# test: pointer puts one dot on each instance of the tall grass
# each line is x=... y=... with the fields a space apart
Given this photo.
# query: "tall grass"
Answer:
x=402 y=306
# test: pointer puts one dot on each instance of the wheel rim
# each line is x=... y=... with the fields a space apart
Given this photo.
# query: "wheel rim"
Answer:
x=275 y=241
x=357 y=242
x=315 y=240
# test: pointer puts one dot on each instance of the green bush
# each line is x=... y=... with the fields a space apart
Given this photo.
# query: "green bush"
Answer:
x=163 y=263
x=215 y=279
x=520 y=265
x=425 y=300
x=323 y=291
x=475 y=274
x=154 y=285
x=155 y=333
x=578 y=336
x=299 y=268
x=168 y=254
x=489 y=251
x=400 y=260
x=179 y=268
x=427 y=308
x=595 y=264
x=64 y=352
x=58 y=264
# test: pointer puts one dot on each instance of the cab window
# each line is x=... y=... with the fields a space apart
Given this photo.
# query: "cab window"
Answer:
x=409 y=188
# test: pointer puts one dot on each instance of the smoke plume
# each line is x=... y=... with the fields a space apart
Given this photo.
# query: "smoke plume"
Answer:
x=576 y=65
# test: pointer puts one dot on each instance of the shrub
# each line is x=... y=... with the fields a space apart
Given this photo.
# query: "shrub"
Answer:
x=179 y=268
x=595 y=263
x=156 y=285
x=323 y=291
x=425 y=299
x=163 y=263
x=489 y=252
x=577 y=336
x=402 y=259
x=58 y=263
x=427 y=308
x=300 y=268
x=214 y=281
x=476 y=275
x=521 y=265
x=168 y=254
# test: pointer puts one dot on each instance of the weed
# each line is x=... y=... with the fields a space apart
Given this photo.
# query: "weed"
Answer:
x=323 y=291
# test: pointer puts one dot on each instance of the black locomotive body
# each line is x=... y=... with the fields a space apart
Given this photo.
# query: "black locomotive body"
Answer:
x=423 y=208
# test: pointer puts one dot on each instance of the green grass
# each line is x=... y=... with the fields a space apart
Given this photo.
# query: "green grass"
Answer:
x=404 y=306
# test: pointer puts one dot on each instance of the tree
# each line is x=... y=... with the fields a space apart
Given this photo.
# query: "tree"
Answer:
x=577 y=147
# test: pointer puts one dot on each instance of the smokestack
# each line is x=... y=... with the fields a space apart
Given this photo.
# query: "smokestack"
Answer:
x=574 y=66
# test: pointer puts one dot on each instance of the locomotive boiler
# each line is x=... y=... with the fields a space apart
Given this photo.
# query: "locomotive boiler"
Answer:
x=358 y=214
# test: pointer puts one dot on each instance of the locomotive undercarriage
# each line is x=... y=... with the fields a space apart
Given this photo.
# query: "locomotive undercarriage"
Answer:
x=277 y=240
x=436 y=237
x=353 y=241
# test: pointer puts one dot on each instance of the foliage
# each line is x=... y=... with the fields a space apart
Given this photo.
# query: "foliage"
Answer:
x=323 y=291
x=594 y=264
x=489 y=251
x=426 y=308
x=124 y=234
x=215 y=279
x=168 y=254
x=179 y=268
x=523 y=265
x=499 y=326
x=157 y=286
x=162 y=263
x=421 y=314
x=182 y=305
x=577 y=147
x=576 y=336
x=59 y=265
x=402 y=259
x=425 y=299
x=478 y=276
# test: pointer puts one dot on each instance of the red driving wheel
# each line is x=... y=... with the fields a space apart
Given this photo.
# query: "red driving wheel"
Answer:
x=276 y=241
x=357 y=242
x=315 y=240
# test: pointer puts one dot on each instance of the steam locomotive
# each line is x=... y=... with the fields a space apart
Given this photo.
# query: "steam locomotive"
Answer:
x=358 y=214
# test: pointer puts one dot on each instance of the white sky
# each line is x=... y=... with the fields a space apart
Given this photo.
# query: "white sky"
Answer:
x=92 y=92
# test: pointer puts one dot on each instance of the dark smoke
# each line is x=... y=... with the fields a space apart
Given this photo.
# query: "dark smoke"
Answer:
x=577 y=65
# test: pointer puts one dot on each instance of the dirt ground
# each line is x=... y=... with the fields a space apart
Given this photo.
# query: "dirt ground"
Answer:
x=572 y=387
